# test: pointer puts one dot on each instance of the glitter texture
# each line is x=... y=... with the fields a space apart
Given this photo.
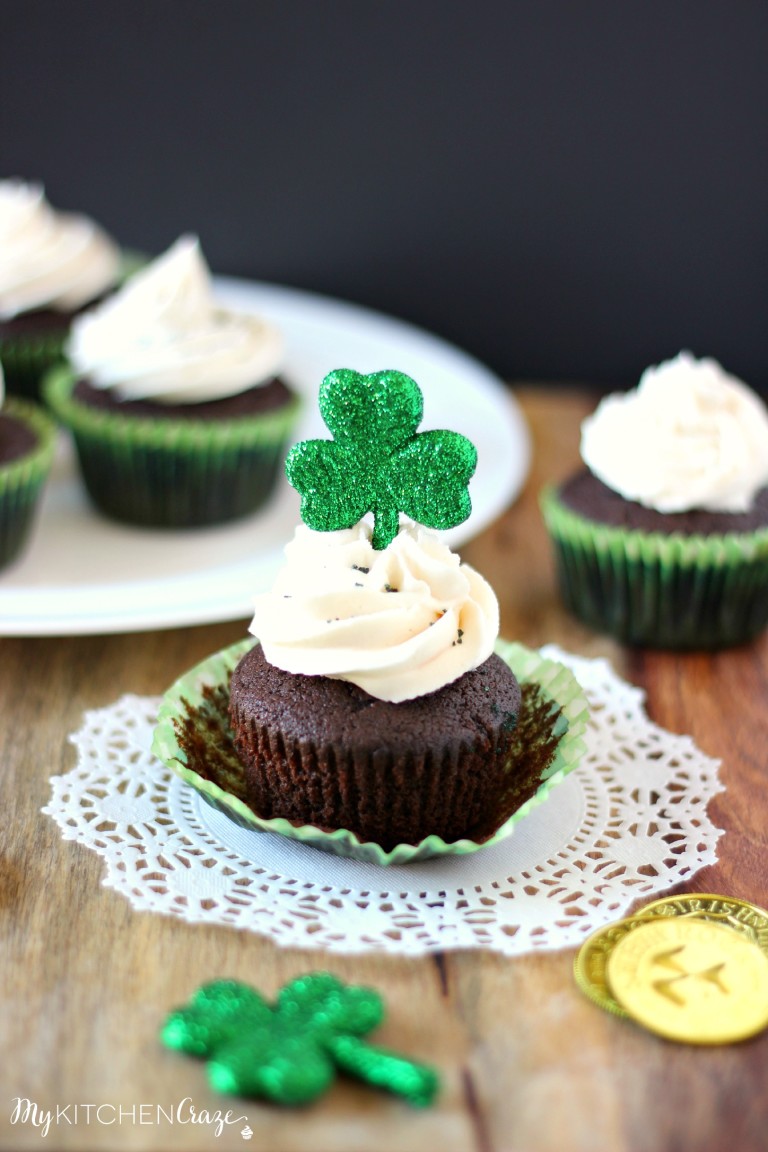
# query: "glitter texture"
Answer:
x=378 y=462
x=290 y=1053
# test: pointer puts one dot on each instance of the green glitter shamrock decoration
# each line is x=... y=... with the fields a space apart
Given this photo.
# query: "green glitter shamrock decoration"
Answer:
x=378 y=462
x=290 y=1053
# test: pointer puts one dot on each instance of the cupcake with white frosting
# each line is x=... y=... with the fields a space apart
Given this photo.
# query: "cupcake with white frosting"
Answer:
x=376 y=713
x=662 y=538
x=52 y=265
x=27 y=441
x=374 y=700
x=176 y=404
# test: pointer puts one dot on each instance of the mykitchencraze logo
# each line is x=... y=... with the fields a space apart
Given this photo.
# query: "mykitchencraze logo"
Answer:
x=26 y=1111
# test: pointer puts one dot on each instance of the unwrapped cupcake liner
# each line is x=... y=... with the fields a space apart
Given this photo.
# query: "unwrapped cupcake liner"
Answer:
x=194 y=712
x=21 y=480
x=171 y=473
x=657 y=590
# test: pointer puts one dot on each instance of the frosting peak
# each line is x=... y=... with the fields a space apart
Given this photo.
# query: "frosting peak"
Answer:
x=689 y=436
x=399 y=622
x=164 y=338
x=49 y=259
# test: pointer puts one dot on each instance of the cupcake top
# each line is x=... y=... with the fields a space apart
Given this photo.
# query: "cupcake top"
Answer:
x=399 y=622
x=49 y=259
x=690 y=436
x=164 y=338
x=385 y=605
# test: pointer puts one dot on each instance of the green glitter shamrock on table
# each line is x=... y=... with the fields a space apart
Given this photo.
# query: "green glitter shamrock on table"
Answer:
x=378 y=462
x=290 y=1053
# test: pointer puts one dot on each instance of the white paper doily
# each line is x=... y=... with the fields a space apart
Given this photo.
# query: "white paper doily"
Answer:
x=629 y=822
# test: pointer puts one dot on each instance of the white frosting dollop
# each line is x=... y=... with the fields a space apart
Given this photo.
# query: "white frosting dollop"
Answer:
x=164 y=338
x=689 y=436
x=49 y=259
x=399 y=623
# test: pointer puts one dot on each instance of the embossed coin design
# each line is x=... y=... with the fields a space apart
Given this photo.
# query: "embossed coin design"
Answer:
x=691 y=980
x=748 y=919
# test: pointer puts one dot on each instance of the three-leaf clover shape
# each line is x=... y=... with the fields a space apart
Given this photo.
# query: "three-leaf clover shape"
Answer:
x=290 y=1053
x=377 y=461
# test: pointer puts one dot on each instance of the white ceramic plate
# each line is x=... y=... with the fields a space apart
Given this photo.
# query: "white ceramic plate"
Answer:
x=83 y=574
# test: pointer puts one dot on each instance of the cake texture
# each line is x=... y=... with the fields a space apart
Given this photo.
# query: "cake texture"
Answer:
x=52 y=266
x=323 y=751
x=662 y=539
x=176 y=406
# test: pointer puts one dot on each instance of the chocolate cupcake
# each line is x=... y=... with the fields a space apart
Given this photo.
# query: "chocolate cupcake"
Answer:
x=27 y=441
x=401 y=724
x=377 y=715
x=177 y=409
x=52 y=266
x=662 y=540
x=374 y=702
x=193 y=738
x=386 y=772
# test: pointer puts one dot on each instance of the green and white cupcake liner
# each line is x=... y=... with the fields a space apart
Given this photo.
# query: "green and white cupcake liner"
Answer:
x=659 y=590
x=27 y=357
x=552 y=728
x=170 y=473
x=21 y=480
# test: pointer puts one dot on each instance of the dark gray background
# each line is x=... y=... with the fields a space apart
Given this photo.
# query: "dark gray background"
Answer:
x=568 y=190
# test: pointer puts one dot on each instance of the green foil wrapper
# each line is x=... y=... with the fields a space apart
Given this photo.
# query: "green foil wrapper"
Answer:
x=551 y=727
x=167 y=473
x=21 y=480
x=657 y=590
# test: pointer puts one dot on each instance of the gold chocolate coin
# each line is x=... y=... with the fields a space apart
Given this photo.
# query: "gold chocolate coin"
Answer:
x=589 y=967
x=748 y=919
x=691 y=980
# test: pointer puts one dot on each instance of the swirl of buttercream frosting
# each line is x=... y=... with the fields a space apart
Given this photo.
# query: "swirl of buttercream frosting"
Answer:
x=49 y=259
x=689 y=436
x=163 y=336
x=399 y=623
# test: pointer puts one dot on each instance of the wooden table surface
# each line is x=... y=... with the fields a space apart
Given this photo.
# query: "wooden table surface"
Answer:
x=528 y=1064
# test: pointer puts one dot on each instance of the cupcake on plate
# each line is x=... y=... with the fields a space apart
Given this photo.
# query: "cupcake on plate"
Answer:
x=52 y=265
x=27 y=441
x=376 y=715
x=662 y=539
x=176 y=404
